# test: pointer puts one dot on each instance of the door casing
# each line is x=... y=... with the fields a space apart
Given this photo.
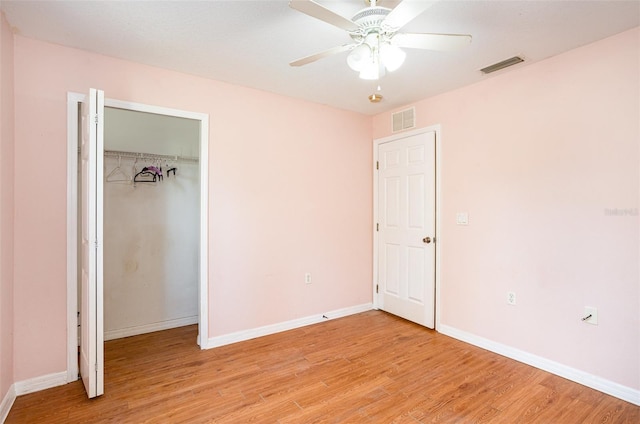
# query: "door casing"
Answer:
x=73 y=100
x=438 y=235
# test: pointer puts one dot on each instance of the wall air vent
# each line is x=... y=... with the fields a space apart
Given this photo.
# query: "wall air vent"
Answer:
x=501 y=65
x=403 y=120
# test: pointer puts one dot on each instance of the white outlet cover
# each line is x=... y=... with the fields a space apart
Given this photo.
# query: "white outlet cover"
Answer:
x=462 y=218
x=511 y=298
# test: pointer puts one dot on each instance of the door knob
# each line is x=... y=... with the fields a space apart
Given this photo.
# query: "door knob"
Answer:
x=427 y=240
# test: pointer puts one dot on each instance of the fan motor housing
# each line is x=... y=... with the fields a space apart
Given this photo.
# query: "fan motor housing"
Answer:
x=369 y=20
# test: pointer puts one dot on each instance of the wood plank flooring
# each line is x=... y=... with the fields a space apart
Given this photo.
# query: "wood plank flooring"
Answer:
x=366 y=368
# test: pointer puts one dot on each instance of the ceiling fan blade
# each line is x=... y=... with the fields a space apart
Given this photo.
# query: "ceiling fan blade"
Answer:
x=405 y=12
x=317 y=11
x=323 y=54
x=441 y=42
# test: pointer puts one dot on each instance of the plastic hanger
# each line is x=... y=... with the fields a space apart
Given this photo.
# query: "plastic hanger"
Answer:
x=117 y=175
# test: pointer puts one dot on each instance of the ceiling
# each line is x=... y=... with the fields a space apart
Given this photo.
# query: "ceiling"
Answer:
x=251 y=43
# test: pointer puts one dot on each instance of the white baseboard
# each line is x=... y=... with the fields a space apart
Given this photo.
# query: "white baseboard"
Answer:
x=625 y=393
x=7 y=403
x=253 y=333
x=40 y=383
x=149 y=328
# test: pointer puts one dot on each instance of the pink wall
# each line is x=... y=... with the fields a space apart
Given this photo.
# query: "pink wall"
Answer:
x=6 y=206
x=290 y=192
x=539 y=157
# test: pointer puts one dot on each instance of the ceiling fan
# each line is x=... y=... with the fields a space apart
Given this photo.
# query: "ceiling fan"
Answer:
x=377 y=42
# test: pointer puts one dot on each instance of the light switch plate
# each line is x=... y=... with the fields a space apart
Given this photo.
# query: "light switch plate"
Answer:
x=462 y=218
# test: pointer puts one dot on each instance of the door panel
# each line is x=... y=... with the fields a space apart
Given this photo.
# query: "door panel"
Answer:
x=415 y=274
x=91 y=315
x=415 y=198
x=392 y=204
x=392 y=268
x=406 y=208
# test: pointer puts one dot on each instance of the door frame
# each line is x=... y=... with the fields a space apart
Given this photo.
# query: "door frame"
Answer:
x=73 y=100
x=437 y=237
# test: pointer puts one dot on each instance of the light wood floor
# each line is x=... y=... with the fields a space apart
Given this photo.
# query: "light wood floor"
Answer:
x=367 y=368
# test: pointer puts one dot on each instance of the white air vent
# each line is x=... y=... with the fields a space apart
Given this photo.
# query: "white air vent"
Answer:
x=501 y=65
x=404 y=119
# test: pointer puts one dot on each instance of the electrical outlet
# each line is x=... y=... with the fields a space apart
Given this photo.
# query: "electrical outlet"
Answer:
x=590 y=315
x=307 y=278
x=511 y=298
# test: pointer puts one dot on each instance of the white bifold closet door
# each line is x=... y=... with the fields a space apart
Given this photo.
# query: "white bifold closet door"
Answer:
x=91 y=312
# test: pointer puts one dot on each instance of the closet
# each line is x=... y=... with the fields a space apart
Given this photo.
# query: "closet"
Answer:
x=151 y=222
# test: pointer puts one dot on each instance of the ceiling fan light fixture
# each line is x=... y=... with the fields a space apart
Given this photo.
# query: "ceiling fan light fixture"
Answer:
x=373 y=70
x=392 y=56
x=359 y=57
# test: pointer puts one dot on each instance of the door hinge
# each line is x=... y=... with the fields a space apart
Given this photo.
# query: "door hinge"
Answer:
x=377 y=165
x=96 y=119
x=97 y=369
x=377 y=226
x=376 y=288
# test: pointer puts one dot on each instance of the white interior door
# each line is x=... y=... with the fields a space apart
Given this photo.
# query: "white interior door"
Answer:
x=406 y=228
x=91 y=311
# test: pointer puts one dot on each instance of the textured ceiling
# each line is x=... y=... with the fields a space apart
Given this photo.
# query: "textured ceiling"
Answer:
x=251 y=43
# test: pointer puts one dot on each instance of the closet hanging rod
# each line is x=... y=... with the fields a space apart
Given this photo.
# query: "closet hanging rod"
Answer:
x=149 y=156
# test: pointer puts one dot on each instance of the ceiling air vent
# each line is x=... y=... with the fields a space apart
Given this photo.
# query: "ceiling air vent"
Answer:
x=404 y=119
x=501 y=65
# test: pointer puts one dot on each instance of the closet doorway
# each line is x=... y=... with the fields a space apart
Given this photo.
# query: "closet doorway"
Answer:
x=155 y=221
x=151 y=231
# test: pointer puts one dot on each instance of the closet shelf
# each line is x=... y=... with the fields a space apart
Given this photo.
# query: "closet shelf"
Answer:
x=149 y=156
